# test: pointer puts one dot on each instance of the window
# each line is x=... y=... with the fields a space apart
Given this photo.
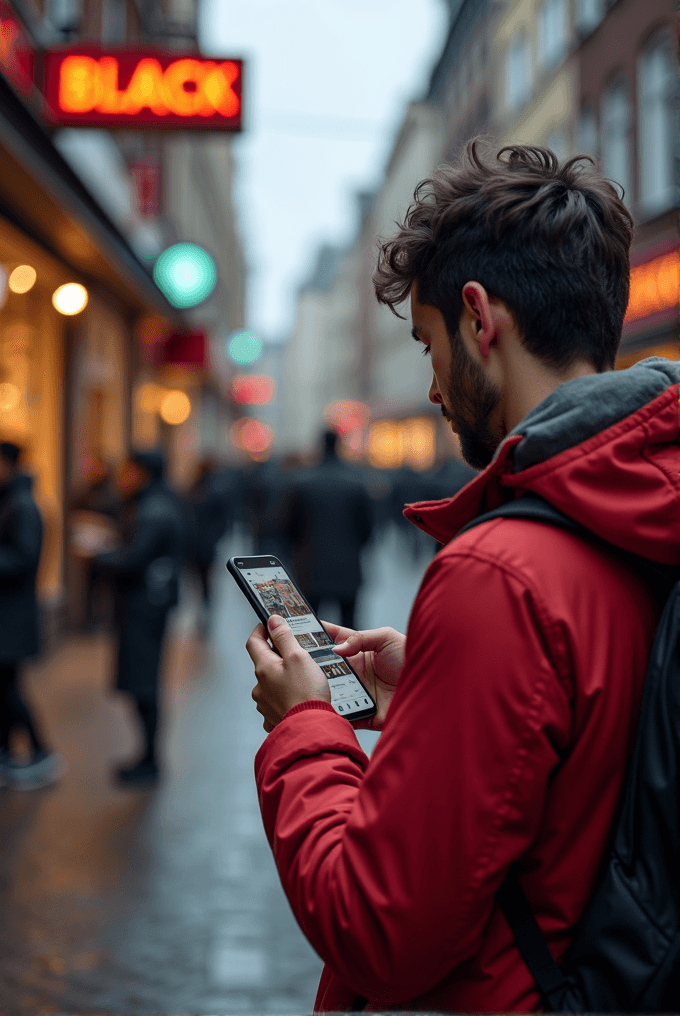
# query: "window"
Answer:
x=518 y=71
x=655 y=125
x=616 y=117
x=587 y=132
x=588 y=14
x=551 y=31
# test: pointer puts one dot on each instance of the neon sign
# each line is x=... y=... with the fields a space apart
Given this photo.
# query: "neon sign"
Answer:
x=142 y=88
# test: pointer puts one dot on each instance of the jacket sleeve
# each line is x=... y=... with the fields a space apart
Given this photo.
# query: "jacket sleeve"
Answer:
x=23 y=555
x=148 y=537
x=391 y=867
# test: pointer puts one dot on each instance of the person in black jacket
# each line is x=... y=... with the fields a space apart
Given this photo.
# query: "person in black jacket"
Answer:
x=146 y=577
x=329 y=518
x=210 y=506
x=20 y=545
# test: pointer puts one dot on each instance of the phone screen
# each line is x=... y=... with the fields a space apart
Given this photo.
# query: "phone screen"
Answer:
x=276 y=593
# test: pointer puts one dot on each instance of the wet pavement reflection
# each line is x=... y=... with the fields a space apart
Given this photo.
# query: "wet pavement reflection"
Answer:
x=164 y=901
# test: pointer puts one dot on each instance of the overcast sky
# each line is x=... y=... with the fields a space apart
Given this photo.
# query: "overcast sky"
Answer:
x=326 y=85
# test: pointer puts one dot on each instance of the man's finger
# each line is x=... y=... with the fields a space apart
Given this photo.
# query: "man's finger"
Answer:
x=337 y=632
x=282 y=636
x=257 y=647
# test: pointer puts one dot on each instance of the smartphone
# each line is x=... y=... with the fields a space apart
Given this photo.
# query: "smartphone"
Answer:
x=270 y=590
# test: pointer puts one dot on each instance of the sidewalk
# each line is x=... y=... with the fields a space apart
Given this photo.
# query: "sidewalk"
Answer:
x=166 y=901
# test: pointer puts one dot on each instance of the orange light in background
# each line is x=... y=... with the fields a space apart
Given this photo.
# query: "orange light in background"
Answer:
x=346 y=415
x=252 y=389
x=395 y=443
x=419 y=442
x=70 y=299
x=654 y=286
x=386 y=445
x=149 y=397
x=252 y=436
x=9 y=397
x=175 y=407
x=22 y=279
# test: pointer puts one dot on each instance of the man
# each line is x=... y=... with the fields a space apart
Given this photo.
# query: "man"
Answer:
x=509 y=712
x=210 y=507
x=328 y=520
x=146 y=575
x=20 y=545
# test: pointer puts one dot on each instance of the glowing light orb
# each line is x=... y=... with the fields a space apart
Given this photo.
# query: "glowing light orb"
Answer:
x=186 y=274
x=244 y=347
x=70 y=299
x=175 y=407
x=22 y=279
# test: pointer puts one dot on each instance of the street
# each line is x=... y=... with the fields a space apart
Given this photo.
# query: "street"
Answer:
x=121 y=901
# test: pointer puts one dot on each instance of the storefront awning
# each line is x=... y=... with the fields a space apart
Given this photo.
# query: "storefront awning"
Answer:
x=40 y=193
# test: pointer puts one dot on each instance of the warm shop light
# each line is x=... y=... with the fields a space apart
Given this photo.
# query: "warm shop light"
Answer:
x=150 y=396
x=386 y=445
x=186 y=274
x=654 y=286
x=252 y=389
x=244 y=347
x=70 y=299
x=252 y=436
x=9 y=397
x=22 y=279
x=419 y=442
x=175 y=407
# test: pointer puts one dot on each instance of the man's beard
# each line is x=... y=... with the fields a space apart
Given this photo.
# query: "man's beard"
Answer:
x=472 y=398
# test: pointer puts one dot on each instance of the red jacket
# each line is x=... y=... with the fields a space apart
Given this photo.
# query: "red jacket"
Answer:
x=508 y=734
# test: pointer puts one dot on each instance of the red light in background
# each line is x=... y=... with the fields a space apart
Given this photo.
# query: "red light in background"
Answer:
x=252 y=436
x=346 y=415
x=252 y=389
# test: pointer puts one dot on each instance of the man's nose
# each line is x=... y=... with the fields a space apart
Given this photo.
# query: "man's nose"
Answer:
x=433 y=394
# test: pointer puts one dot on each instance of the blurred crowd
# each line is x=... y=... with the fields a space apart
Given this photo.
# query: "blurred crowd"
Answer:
x=133 y=538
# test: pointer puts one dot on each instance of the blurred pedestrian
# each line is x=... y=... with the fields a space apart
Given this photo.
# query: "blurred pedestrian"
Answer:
x=211 y=512
x=95 y=518
x=146 y=574
x=267 y=489
x=21 y=533
x=328 y=520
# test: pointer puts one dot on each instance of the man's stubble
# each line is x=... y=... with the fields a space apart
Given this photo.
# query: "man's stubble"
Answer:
x=469 y=405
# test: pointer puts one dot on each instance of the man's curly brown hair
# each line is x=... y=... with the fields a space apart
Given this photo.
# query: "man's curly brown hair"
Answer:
x=550 y=240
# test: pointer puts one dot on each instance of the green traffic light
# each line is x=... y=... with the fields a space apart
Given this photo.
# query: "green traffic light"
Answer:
x=186 y=274
x=244 y=347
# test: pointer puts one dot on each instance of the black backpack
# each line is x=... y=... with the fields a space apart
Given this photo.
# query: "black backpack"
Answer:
x=625 y=956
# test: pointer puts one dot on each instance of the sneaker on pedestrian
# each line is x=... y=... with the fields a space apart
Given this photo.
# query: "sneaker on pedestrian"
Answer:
x=42 y=770
x=143 y=774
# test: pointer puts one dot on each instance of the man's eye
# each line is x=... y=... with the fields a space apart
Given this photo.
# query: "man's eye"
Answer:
x=426 y=351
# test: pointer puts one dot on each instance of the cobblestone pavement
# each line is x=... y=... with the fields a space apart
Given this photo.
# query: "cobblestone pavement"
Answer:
x=165 y=901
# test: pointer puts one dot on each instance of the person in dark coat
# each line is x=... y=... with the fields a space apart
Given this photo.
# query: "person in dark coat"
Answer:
x=21 y=533
x=329 y=518
x=99 y=501
x=211 y=513
x=146 y=575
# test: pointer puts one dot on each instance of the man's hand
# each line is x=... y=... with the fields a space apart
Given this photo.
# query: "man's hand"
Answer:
x=285 y=680
x=378 y=658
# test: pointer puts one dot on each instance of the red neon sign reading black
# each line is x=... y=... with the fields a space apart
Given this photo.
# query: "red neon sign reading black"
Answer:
x=91 y=87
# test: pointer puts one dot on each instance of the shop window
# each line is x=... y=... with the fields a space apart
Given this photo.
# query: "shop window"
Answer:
x=656 y=81
x=551 y=32
x=588 y=15
x=518 y=71
x=587 y=132
x=616 y=121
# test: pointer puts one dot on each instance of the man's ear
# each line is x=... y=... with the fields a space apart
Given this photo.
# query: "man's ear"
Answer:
x=476 y=301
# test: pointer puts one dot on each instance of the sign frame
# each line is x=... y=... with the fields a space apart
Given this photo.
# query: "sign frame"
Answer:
x=142 y=87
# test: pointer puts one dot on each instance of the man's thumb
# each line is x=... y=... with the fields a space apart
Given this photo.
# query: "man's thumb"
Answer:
x=282 y=636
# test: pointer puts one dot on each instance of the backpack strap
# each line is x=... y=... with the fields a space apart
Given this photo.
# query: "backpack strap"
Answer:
x=530 y=506
x=532 y=943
